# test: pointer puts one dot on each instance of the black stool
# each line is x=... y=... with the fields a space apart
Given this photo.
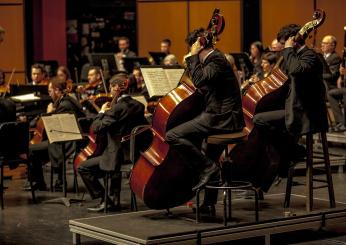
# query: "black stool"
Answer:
x=226 y=184
x=309 y=174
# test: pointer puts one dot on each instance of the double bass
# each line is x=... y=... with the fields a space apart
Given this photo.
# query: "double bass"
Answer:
x=265 y=95
x=160 y=177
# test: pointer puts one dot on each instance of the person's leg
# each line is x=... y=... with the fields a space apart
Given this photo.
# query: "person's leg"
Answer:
x=90 y=172
x=38 y=155
x=334 y=96
x=187 y=139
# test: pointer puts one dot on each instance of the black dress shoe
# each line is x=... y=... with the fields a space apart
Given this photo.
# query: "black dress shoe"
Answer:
x=101 y=207
x=98 y=208
x=206 y=176
x=206 y=209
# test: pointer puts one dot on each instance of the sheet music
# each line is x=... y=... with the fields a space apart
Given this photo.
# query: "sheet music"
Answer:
x=61 y=127
x=174 y=76
x=160 y=81
x=156 y=81
x=25 y=97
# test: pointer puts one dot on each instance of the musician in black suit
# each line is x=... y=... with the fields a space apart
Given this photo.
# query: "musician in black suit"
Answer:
x=303 y=110
x=334 y=93
x=7 y=110
x=115 y=119
x=42 y=152
x=215 y=81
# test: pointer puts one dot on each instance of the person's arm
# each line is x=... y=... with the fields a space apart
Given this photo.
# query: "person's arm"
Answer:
x=202 y=74
x=106 y=118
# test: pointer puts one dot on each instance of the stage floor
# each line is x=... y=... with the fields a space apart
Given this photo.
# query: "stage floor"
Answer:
x=179 y=227
x=22 y=222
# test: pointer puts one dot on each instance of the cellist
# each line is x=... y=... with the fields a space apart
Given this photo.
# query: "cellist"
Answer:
x=214 y=78
x=115 y=119
x=41 y=152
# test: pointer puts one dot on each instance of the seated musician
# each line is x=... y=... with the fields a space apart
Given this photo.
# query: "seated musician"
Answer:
x=64 y=74
x=124 y=51
x=42 y=152
x=301 y=111
x=214 y=78
x=116 y=119
x=38 y=75
x=136 y=81
x=268 y=62
x=4 y=88
x=94 y=86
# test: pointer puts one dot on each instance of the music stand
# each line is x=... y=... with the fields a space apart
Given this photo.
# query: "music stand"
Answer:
x=106 y=61
x=243 y=63
x=131 y=62
x=158 y=57
x=61 y=128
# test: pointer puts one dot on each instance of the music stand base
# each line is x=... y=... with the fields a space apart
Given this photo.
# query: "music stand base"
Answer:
x=64 y=200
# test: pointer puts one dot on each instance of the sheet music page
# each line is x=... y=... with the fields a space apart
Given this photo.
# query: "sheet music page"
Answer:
x=61 y=127
x=174 y=76
x=156 y=81
x=25 y=97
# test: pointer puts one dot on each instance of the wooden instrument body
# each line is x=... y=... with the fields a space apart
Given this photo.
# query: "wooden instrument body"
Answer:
x=160 y=177
x=39 y=133
x=263 y=96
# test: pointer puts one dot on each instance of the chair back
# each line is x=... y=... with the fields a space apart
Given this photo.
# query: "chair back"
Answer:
x=14 y=139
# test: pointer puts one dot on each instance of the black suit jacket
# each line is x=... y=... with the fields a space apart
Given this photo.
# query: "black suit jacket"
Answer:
x=333 y=61
x=115 y=123
x=305 y=103
x=216 y=81
x=55 y=151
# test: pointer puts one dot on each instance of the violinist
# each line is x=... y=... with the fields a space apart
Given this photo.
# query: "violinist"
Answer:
x=3 y=86
x=301 y=111
x=64 y=74
x=95 y=84
x=256 y=51
x=38 y=75
x=115 y=119
x=42 y=152
x=268 y=62
x=214 y=78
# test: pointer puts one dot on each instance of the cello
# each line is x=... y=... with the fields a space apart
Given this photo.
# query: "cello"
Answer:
x=160 y=177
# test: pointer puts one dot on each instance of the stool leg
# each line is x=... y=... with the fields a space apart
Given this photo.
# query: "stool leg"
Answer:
x=328 y=171
x=198 y=218
x=229 y=193
x=289 y=187
x=225 y=207
x=256 y=204
x=309 y=174
x=106 y=192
